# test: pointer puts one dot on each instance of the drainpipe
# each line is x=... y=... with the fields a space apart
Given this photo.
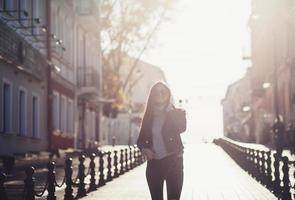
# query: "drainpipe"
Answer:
x=49 y=84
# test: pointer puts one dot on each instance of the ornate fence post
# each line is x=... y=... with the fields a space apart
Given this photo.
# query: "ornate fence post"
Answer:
x=257 y=165
x=51 y=181
x=3 y=194
x=268 y=171
x=135 y=156
x=116 y=173
x=126 y=160
x=248 y=161
x=81 y=176
x=286 y=194
x=109 y=176
x=101 y=169
x=294 y=179
x=92 y=185
x=122 y=171
x=243 y=157
x=263 y=173
x=69 y=182
x=251 y=162
x=29 y=191
x=277 y=180
x=142 y=158
x=130 y=157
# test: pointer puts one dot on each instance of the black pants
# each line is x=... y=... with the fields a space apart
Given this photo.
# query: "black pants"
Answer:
x=170 y=169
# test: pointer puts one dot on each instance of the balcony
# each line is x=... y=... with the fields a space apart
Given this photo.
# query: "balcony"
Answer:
x=17 y=52
x=88 y=81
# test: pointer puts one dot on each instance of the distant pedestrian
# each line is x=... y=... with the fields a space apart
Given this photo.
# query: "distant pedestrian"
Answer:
x=160 y=141
x=113 y=141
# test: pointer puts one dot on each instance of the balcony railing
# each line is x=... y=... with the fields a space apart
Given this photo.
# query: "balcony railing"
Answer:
x=16 y=51
x=87 y=77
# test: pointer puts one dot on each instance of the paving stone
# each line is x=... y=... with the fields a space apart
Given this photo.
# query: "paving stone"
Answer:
x=210 y=174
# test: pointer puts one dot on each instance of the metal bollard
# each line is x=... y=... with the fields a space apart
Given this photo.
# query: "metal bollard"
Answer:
x=109 y=175
x=81 y=176
x=116 y=173
x=122 y=171
x=69 y=182
x=3 y=194
x=29 y=190
x=101 y=169
x=92 y=186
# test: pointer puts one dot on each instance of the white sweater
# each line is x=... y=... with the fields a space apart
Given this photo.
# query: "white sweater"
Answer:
x=158 y=148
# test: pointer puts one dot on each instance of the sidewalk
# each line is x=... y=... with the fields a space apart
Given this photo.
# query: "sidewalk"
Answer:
x=130 y=186
x=41 y=160
x=210 y=174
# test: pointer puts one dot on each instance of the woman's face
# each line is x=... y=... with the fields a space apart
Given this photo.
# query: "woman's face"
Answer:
x=160 y=95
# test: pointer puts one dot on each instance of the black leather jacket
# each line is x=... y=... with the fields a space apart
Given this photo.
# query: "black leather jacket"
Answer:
x=175 y=123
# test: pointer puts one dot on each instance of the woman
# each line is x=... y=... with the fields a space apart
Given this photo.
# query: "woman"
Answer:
x=159 y=140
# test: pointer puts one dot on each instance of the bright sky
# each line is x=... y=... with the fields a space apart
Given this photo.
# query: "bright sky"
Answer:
x=200 y=50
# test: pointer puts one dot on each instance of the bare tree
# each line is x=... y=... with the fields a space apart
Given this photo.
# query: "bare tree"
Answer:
x=127 y=28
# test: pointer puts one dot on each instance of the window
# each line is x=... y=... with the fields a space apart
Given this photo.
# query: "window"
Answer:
x=8 y=5
x=53 y=20
x=70 y=117
x=63 y=114
x=93 y=125
x=71 y=75
x=24 y=7
x=61 y=32
x=55 y=113
x=1 y=4
x=22 y=119
x=35 y=117
x=7 y=107
x=87 y=123
x=36 y=14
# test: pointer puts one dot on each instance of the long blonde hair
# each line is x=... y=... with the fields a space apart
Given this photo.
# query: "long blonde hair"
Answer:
x=149 y=105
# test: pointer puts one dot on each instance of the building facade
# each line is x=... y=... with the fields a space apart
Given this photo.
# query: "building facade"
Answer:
x=272 y=35
x=76 y=84
x=273 y=62
x=50 y=80
x=237 y=114
x=23 y=83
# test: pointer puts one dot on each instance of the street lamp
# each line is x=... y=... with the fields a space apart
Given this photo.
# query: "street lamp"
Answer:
x=278 y=126
x=246 y=108
x=130 y=125
x=266 y=85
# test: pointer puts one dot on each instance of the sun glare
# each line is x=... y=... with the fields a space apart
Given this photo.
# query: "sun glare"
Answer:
x=200 y=51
